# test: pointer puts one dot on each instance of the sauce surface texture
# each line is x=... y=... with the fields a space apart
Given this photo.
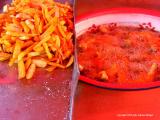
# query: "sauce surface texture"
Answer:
x=122 y=54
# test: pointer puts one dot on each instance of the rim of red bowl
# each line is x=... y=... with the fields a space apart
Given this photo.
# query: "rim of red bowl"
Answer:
x=118 y=86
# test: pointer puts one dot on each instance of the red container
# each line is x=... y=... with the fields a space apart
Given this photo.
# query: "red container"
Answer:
x=120 y=16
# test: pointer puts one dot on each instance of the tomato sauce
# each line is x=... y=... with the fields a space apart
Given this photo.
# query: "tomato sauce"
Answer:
x=123 y=54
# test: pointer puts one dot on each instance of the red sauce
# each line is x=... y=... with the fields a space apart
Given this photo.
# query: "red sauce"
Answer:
x=122 y=54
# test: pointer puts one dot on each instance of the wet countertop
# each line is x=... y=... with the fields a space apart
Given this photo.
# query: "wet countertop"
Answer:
x=46 y=97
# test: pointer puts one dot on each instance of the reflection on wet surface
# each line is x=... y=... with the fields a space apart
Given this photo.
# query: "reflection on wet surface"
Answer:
x=45 y=98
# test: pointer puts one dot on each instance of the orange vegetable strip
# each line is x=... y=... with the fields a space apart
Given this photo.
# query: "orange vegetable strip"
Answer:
x=47 y=50
x=27 y=44
x=21 y=69
x=40 y=63
x=51 y=68
x=30 y=24
x=28 y=63
x=67 y=54
x=31 y=71
x=32 y=54
x=4 y=56
x=36 y=21
x=47 y=15
x=16 y=52
x=48 y=32
x=61 y=31
x=39 y=49
x=32 y=34
x=71 y=60
x=40 y=27
x=43 y=41
x=56 y=65
x=25 y=27
x=69 y=36
x=52 y=11
x=25 y=52
x=58 y=41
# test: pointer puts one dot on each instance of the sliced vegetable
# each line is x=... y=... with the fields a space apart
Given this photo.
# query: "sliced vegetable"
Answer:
x=40 y=63
x=35 y=33
x=31 y=71
x=21 y=69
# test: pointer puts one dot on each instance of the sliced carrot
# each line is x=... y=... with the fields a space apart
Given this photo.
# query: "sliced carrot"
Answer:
x=43 y=41
x=27 y=44
x=33 y=54
x=51 y=68
x=28 y=63
x=47 y=50
x=16 y=52
x=25 y=52
x=48 y=32
x=61 y=31
x=40 y=63
x=31 y=71
x=70 y=62
x=4 y=56
x=56 y=65
x=25 y=27
x=21 y=69
x=34 y=33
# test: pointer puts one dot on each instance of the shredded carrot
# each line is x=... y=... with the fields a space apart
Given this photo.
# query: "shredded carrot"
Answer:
x=31 y=71
x=49 y=54
x=28 y=63
x=36 y=33
x=27 y=44
x=4 y=56
x=16 y=52
x=40 y=63
x=70 y=61
x=21 y=69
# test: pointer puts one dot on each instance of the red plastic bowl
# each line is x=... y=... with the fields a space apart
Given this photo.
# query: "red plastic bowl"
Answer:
x=121 y=16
